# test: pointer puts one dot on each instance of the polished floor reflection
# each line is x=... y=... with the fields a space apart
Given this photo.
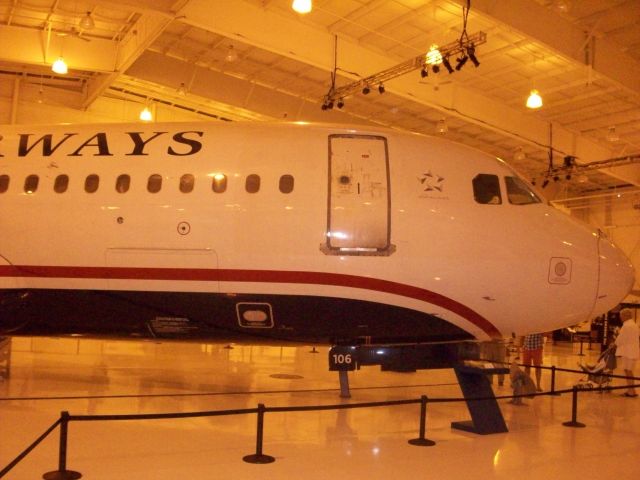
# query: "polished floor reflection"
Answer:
x=80 y=376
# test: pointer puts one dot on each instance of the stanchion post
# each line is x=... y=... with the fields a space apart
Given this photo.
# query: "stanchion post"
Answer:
x=259 y=457
x=62 y=473
x=421 y=441
x=574 y=412
x=553 y=381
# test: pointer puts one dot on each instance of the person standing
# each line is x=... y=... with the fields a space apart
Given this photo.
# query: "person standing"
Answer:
x=532 y=353
x=628 y=348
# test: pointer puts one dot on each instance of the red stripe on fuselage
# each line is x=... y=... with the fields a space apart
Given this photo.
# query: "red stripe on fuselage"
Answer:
x=255 y=276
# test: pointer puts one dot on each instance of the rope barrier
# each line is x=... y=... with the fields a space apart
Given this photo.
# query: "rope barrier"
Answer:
x=259 y=457
x=28 y=450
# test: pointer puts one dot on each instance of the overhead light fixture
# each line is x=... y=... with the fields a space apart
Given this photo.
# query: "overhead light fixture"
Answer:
x=441 y=126
x=424 y=72
x=232 y=55
x=519 y=154
x=381 y=88
x=366 y=90
x=612 y=135
x=433 y=56
x=562 y=6
x=302 y=6
x=471 y=52
x=60 y=66
x=534 y=100
x=86 y=22
x=182 y=89
x=340 y=103
x=145 y=114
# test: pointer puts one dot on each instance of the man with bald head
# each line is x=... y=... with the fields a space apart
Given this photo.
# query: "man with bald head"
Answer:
x=628 y=348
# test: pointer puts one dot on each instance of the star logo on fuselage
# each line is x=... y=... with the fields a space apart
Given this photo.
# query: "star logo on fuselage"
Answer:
x=432 y=182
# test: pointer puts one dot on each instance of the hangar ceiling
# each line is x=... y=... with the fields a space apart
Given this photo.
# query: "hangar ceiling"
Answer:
x=258 y=60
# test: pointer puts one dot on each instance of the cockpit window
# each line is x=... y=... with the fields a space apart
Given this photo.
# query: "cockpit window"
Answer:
x=486 y=189
x=519 y=193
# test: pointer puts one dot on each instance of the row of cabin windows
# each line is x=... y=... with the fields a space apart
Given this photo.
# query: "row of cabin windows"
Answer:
x=154 y=183
x=486 y=190
x=486 y=187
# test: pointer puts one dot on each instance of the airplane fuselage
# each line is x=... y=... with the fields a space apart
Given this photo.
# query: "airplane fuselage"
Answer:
x=285 y=232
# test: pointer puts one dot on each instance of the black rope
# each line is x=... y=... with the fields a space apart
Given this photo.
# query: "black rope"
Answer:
x=28 y=450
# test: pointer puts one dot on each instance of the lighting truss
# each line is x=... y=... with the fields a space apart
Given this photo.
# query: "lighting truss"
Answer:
x=569 y=167
x=458 y=49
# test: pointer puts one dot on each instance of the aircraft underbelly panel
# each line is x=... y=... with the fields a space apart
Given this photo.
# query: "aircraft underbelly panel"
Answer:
x=210 y=316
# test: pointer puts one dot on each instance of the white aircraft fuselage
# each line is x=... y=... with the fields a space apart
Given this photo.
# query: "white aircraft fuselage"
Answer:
x=284 y=233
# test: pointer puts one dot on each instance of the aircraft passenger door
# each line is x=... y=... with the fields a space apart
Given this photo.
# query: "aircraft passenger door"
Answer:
x=359 y=204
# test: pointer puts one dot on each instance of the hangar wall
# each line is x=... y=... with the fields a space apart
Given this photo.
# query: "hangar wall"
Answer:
x=103 y=110
x=619 y=217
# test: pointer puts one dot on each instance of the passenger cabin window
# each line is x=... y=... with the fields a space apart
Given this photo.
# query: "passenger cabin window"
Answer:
x=61 y=183
x=187 y=182
x=123 y=182
x=219 y=183
x=91 y=183
x=4 y=183
x=486 y=189
x=154 y=184
x=286 y=184
x=519 y=192
x=252 y=184
x=31 y=184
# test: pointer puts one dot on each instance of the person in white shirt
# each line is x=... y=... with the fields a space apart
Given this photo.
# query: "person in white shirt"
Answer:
x=628 y=348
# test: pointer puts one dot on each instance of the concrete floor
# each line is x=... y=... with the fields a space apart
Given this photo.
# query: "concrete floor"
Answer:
x=50 y=375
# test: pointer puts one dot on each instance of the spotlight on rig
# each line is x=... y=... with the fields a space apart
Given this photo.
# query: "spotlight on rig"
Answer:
x=424 y=72
x=340 y=103
x=447 y=64
x=471 y=52
x=366 y=90
x=381 y=88
x=461 y=61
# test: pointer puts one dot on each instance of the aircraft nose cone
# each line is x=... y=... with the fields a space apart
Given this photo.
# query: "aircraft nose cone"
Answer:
x=617 y=277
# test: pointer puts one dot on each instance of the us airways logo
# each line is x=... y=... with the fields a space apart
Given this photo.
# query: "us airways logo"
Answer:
x=103 y=144
x=432 y=185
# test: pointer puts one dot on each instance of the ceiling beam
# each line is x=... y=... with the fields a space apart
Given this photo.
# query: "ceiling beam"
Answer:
x=289 y=37
x=238 y=98
x=36 y=47
x=543 y=25
x=140 y=37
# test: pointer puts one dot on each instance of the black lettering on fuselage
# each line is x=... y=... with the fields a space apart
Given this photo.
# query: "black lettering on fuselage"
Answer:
x=101 y=143
x=195 y=145
x=139 y=143
x=47 y=144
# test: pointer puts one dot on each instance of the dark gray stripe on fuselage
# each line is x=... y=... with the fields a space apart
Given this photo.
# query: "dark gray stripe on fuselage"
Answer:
x=223 y=317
